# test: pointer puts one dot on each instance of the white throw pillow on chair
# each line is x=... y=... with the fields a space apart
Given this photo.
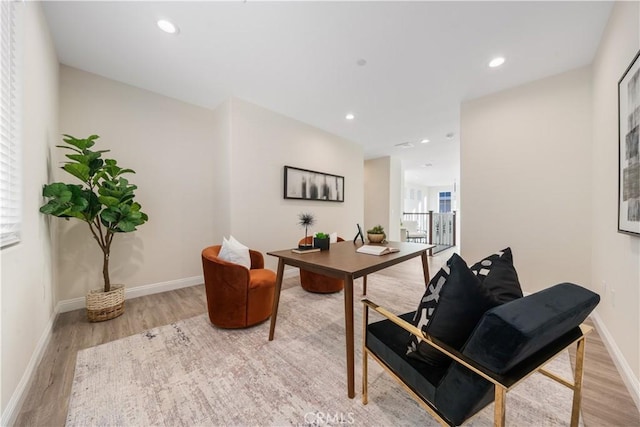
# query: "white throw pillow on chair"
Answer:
x=235 y=252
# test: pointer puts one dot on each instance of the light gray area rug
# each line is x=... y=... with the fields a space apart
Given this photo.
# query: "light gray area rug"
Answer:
x=194 y=374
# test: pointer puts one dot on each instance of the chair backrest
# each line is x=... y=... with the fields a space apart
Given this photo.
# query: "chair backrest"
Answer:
x=225 y=282
x=411 y=226
x=217 y=270
x=211 y=254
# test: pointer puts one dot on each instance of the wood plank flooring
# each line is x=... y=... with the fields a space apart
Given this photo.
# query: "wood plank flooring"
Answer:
x=606 y=401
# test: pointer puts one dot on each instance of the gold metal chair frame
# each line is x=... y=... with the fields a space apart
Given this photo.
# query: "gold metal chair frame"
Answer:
x=502 y=384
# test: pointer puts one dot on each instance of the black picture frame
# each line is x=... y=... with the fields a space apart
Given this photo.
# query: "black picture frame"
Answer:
x=629 y=149
x=305 y=184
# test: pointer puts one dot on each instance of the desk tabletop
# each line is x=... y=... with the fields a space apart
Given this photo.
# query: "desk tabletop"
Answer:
x=342 y=259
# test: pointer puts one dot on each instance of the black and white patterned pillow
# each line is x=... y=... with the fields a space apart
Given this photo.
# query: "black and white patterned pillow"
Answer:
x=427 y=307
x=499 y=276
x=452 y=305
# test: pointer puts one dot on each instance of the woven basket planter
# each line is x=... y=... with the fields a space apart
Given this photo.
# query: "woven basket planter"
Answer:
x=105 y=305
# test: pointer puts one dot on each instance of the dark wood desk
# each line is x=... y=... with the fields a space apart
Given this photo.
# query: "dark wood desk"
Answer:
x=343 y=262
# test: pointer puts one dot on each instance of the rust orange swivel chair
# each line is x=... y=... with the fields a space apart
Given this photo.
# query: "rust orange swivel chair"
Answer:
x=237 y=297
x=317 y=283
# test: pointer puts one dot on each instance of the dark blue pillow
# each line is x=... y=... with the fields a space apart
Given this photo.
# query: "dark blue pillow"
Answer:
x=451 y=307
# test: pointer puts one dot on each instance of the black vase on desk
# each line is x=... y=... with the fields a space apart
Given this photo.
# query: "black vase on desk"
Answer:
x=322 y=244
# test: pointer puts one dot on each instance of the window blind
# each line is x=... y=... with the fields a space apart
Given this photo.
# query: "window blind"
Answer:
x=10 y=215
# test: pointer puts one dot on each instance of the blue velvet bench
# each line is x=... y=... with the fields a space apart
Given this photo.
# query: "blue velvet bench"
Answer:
x=510 y=342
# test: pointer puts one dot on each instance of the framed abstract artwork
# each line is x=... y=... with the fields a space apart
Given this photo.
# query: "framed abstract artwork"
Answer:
x=628 y=149
x=304 y=184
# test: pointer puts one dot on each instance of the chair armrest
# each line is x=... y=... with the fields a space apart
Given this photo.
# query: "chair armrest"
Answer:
x=433 y=342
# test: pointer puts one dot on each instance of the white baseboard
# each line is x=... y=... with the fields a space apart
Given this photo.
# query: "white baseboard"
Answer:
x=12 y=409
x=628 y=377
x=153 y=288
x=156 y=288
x=138 y=291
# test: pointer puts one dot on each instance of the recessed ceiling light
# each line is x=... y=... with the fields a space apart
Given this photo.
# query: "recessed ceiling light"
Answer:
x=449 y=135
x=427 y=165
x=496 y=62
x=361 y=62
x=350 y=116
x=424 y=141
x=167 y=27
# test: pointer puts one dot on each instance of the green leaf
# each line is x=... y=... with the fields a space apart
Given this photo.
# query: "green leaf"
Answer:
x=65 y=200
x=78 y=170
x=58 y=190
x=109 y=201
x=69 y=148
x=80 y=158
x=94 y=166
x=81 y=144
x=94 y=207
x=109 y=215
x=126 y=226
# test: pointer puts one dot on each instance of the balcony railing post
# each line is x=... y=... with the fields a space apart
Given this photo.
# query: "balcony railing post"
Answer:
x=430 y=235
x=454 y=228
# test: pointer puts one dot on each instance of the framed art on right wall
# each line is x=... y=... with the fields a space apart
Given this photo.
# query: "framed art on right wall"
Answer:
x=628 y=149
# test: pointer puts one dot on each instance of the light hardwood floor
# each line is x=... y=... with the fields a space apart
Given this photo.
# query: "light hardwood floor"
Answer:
x=606 y=401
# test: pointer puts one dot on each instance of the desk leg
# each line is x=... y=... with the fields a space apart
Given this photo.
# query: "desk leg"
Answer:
x=425 y=268
x=348 y=323
x=276 y=298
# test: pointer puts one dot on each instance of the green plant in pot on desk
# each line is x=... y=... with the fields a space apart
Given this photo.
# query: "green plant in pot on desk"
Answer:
x=105 y=202
x=321 y=241
x=376 y=234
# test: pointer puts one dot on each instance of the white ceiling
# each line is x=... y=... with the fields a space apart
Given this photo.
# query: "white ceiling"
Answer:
x=300 y=59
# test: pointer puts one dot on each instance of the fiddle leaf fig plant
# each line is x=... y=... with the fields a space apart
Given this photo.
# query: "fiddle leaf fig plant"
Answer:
x=104 y=199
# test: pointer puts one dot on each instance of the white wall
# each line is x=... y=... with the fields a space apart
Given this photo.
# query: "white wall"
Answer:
x=383 y=195
x=263 y=142
x=175 y=149
x=429 y=200
x=554 y=144
x=221 y=168
x=27 y=277
x=615 y=257
x=526 y=178
x=420 y=200
x=395 y=199
x=201 y=174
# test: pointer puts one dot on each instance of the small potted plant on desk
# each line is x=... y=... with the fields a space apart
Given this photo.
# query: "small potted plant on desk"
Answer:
x=376 y=234
x=321 y=241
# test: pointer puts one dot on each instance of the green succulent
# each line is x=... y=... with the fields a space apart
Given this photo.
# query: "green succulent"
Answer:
x=378 y=229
